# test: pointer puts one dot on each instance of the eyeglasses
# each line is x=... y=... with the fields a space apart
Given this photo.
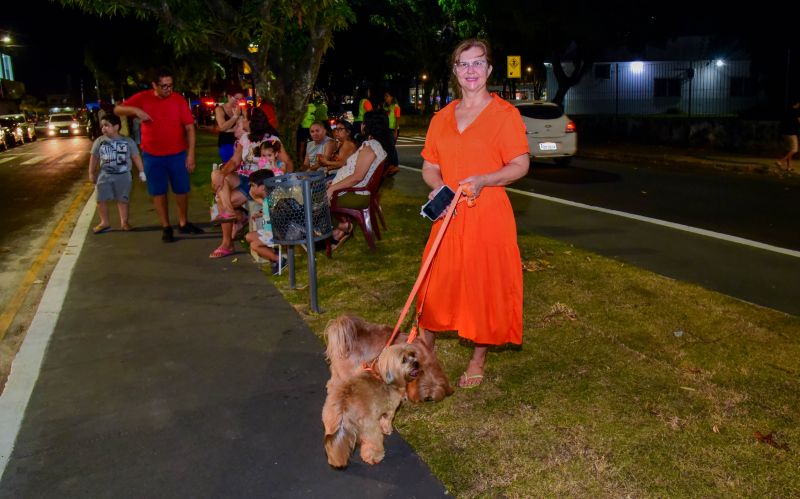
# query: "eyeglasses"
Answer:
x=478 y=65
x=165 y=85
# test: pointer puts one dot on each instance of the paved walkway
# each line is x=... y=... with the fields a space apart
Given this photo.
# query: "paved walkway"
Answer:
x=166 y=374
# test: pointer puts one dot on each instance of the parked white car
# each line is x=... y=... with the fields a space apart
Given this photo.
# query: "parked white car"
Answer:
x=28 y=129
x=550 y=132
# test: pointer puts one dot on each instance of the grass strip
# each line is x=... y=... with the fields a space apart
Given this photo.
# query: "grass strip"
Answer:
x=628 y=383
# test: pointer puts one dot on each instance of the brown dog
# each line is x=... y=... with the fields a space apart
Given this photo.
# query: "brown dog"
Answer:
x=361 y=409
x=353 y=341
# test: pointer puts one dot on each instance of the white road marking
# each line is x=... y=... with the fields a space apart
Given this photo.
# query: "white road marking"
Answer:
x=6 y=159
x=33 y=160
x=654 y=221
x=28 y=361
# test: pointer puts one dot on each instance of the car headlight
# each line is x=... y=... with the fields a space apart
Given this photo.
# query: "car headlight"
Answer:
x=51 y=127
x=74 y=125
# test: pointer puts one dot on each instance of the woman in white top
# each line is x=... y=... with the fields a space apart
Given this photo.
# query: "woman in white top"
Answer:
x=231 y=181
x=359 y=168
x=320 y=144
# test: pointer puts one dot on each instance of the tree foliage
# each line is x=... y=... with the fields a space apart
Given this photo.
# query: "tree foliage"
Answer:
x=291 y=37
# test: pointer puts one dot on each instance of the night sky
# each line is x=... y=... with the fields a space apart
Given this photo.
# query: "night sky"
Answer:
x=49 y=42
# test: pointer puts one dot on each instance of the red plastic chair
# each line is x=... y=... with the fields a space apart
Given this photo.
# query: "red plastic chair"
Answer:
x=366 y=217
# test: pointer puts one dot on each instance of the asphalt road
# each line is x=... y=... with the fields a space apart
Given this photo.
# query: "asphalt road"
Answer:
x=37 y=180
x=759 y=209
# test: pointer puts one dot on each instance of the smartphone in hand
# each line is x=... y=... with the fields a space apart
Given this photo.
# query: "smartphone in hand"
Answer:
x=435 y=208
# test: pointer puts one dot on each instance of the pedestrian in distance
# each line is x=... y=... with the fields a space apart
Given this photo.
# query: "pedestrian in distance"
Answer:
x=393 y=113
x=303 y=131
x=114 y=154
x=789 y=130
x=475 y=284
x=168 y=141
x=392 y=110
x=363 y=106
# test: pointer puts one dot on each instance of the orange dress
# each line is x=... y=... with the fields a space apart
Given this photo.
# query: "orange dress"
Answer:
x=475 y=281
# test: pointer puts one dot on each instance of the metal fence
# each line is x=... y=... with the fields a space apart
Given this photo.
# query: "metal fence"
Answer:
x=693 y=88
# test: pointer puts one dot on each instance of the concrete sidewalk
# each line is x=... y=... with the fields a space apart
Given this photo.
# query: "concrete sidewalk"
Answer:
x=166 y=374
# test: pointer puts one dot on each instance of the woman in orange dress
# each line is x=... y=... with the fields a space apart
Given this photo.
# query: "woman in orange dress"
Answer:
x=475 y=281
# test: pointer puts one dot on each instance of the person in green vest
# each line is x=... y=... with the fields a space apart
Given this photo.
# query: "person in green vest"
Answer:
x=321 y=114
x=364 y=106
x=392 y=110
x=303 y=135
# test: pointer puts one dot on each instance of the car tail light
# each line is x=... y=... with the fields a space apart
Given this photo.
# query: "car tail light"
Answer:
x=570 y=127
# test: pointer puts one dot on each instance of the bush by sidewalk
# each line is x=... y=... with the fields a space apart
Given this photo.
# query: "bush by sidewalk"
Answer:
x=628 y=384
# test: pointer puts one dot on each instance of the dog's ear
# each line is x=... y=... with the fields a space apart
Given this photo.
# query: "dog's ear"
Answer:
x=390 y=365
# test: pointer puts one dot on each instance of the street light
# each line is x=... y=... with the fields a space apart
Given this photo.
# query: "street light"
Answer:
x=6 y=38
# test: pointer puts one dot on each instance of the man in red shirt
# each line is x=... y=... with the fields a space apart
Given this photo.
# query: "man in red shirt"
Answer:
x=168 y=140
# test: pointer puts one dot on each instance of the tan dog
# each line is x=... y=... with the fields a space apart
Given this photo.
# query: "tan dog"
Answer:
x=361 y=409
x=353 y=341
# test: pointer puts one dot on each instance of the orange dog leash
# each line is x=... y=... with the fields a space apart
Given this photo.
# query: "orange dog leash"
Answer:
x=465 y=190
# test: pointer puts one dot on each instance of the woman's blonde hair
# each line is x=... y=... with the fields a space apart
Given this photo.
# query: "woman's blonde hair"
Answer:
x=468 y=44
x=463 y=47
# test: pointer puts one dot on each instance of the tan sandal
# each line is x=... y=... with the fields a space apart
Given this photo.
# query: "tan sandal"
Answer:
x=346 y=234
x=470 y=380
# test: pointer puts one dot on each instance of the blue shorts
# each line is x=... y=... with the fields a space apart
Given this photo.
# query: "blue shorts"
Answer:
x=165 y=171
x=226 y=152
x=244 y=186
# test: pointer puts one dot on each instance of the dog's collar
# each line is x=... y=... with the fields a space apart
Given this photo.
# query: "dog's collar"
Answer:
x=369 y=367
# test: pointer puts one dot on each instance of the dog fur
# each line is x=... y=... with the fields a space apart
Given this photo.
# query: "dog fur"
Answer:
x=361 y=410
x=353 y=341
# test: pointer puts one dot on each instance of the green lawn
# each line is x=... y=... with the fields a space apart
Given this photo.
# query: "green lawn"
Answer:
x=628 y=383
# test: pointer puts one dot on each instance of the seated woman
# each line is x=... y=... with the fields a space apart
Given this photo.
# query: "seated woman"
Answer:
x=358 y=170
x=345 y=147
x=319 y=145
x=231 y=182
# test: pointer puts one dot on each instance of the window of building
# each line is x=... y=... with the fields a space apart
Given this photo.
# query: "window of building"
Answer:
x=602 y=71
x=667 y=87
x=742 y=87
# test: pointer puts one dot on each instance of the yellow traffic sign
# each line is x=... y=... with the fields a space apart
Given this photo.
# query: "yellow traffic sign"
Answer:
x=514 y=63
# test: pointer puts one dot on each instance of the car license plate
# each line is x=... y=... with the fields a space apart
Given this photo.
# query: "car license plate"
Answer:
x=548 y=146
x=63 y=131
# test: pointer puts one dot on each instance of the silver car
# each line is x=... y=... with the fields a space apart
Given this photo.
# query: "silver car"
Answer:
x=550 y=132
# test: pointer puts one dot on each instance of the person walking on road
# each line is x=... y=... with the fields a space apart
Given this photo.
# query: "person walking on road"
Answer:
x=475 y=285
x=790 y=129
x=168 y=140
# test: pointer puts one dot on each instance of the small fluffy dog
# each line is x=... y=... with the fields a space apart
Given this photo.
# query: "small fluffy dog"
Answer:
x=353 y=341
x=361 y=409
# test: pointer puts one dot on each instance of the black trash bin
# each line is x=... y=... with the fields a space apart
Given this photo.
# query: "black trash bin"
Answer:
x=287 y=207
x=300 y=213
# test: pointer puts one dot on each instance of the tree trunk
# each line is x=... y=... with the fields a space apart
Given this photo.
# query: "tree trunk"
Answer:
x=565 y=81
x=290 y=80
